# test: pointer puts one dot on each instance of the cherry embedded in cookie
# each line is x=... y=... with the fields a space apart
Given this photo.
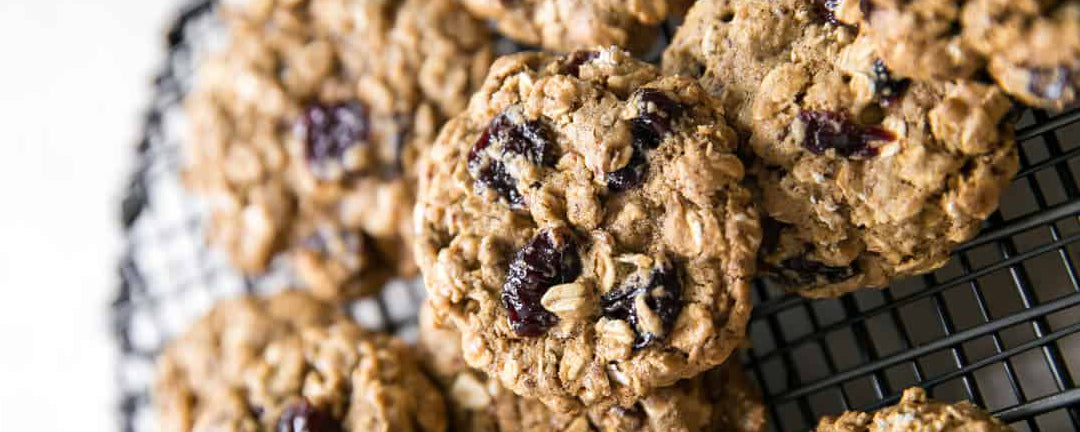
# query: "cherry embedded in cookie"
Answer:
x=331 y=130
x=826 y=9
x=663 y=296
x=549 y=259
x=575 y=60
x=301 y=416
x=502 y=140
x=532 y=140
x=629 y=176
x=831 y=130
x=658 y=112
x=647 y=131
x=887 y=88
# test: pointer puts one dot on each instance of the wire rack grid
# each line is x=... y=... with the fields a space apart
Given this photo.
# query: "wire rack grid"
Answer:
x=999 y=325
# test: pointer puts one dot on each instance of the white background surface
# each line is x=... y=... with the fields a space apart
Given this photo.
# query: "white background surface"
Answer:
x=74 y=78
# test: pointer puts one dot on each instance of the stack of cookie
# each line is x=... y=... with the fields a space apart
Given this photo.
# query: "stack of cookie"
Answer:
x=587 y=224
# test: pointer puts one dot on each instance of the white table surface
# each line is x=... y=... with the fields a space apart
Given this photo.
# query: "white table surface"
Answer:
x=74 y=77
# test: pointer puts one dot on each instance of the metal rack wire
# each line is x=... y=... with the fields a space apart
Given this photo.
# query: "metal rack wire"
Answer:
x=999 y=325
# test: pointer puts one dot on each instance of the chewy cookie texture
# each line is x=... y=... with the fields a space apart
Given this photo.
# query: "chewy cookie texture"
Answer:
x=582 y=224
x=307 y=126
x=1030 y=47
x=866 y=175
x=291 y=363
x=566 y=25
x=722 y=399
x=916 y=413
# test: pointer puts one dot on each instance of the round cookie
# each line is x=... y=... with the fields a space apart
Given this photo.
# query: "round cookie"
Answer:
x=915 y=412
x=865 y=176
x=281 y=363
x=722 y=399
x=307 y=124
x=1030 y=47
x=566 y=25
x=583 y=226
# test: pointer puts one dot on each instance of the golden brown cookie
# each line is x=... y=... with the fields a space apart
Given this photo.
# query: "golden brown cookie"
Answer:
x=291 y=363
x=916 y=413
x=583 y=226
x=307 y=124
x=865 y=175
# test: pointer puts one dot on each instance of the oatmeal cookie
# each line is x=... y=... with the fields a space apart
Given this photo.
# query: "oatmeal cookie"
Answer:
x=307 y=124
x=722 y=399
x=291 y=363
x=583 y=225
x=565 y=25
x=1030 y=47
x=916 y=413
x=866 y=175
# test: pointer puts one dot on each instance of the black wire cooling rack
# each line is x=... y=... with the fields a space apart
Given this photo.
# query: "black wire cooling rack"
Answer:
x=999 y=325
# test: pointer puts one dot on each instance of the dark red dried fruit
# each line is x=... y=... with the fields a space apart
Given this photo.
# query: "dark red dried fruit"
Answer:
x=663 y=295
x=806 y=271
x=495 y=176
x=629 y=176
x=647 y=131
x=530 y=139
x=826 y=9
x=549 y=259
x=574 y=60
x=330 y=131
x=829 y=130
x=887 y=88
x=301 y=416
x=659 y=121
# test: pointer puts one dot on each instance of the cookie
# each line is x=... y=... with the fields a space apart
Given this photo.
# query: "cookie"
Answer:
x=1030 y=47
x=566 y=25
x=287 y=363
x=865 y=175
x=307 y=124
x=722 y=399
x=582 y=224
x=916 y=413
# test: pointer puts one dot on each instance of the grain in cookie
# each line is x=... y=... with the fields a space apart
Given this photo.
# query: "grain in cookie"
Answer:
x=307 y=124
x=915 y=412
x=291 y=363
x=582 y=224
x=566 y=25
x=865 y=175
x=722 y=399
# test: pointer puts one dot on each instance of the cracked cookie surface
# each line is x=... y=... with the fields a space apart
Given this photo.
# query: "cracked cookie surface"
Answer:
x=306 y=126
x=722 y=399
x=583 y=226
x=565 y=25
x=866 y=175
x=291 y=363
x=916 y=413
x=1030 y=47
